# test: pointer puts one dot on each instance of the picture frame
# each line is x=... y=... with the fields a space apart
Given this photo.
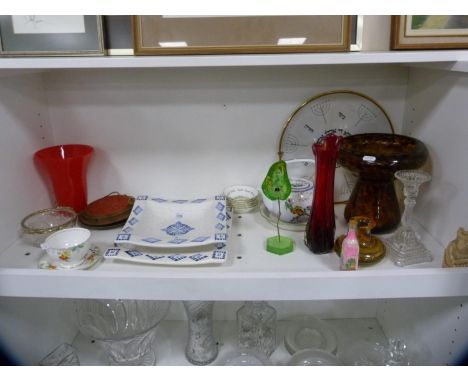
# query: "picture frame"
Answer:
x=42 y=35
x=178 y=35
x=429 y=32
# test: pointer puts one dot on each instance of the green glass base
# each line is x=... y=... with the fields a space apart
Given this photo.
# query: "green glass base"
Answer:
x=280 y=245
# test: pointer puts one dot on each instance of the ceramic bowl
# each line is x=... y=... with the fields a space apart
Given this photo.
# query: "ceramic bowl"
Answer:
x=40 y=224
x=68 y=247
x=296 y=208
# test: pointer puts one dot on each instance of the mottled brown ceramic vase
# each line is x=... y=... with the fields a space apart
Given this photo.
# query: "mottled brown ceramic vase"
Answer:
x=376 y=158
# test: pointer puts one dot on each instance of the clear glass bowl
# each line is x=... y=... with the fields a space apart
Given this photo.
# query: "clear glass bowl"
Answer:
x=40 y=224
x=125 y=329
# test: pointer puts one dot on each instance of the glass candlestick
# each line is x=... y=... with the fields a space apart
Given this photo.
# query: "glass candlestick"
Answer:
x=256 y=327
x=201 y=348
x=405 y=247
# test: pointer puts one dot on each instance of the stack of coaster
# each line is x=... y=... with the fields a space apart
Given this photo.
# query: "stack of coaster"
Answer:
x=108 y=212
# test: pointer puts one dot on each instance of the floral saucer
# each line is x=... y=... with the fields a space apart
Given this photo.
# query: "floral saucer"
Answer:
x=93 y=257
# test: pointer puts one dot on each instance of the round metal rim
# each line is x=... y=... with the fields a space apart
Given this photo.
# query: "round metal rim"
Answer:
x=285 y=127
x=51 y=229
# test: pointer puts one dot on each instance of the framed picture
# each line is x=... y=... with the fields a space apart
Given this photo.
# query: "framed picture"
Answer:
x=429 y=32
x=71 y=35
x=163 y=35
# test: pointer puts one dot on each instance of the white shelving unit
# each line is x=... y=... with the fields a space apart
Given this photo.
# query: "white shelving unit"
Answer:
x=191 y=125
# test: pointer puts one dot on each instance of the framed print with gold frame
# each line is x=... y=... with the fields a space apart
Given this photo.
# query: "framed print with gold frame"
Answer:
x=429 y=32
x=165 y=35
x=54 y=35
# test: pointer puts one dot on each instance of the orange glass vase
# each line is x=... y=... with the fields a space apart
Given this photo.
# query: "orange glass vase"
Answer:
x=64 y=167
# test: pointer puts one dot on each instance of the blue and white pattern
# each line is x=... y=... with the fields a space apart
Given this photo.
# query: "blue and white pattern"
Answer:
x=178 y=229
x=165 y=223
x=215 y=254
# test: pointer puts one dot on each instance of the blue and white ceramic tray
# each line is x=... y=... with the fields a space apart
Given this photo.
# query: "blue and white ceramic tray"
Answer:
x=181 y=223
x=211 y=254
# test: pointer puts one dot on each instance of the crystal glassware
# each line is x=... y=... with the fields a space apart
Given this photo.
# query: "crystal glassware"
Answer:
x=125 y=329
x=201 y=348
x=62 y=355
x=320 y=229
x=405 y=247
x=40 y=224
x=256 y=327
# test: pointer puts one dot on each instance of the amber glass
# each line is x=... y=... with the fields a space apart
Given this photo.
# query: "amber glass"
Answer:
x=376 y=158
x=320 y=230
x=371 y=248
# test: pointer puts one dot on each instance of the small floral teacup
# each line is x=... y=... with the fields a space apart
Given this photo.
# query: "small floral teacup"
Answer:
x=68 y=247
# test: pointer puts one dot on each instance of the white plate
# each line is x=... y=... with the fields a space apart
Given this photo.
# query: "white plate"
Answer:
x=212 y=254
x=343 y=112
x=93 y=257
x=180 y=223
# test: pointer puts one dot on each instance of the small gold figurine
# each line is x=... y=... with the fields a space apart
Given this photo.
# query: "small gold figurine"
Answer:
x=456 y=253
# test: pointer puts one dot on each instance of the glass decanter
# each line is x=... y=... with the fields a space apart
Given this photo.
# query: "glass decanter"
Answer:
x=256 y=327
x=201 y=348
x=405 y=247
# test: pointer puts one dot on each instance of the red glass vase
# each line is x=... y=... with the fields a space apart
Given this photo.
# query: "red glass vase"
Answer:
x=320 y=230
x=64 y=168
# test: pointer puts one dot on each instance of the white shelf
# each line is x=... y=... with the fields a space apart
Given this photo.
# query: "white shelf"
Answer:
x=393 y=57
x=171 y=338
x=250 y=273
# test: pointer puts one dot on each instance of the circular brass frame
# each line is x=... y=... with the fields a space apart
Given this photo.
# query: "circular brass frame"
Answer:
x=305 y=103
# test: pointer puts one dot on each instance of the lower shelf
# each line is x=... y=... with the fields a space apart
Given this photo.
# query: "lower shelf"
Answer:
x=172 y=335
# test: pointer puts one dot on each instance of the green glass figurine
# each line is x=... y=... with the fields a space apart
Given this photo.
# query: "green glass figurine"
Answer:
x=277 y=186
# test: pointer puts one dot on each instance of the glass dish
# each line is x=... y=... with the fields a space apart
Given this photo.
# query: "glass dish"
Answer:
x=180 y=223
x=40 y=224
x=314 y=357
x=246 y=357
x=308 y=332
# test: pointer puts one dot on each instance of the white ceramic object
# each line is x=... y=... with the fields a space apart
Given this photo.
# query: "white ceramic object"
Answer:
x=241 y=198
x=208 y=254
x=296 y=208
x=179 y=223
x=314 y=357
x=308 y=332
x=68 y=248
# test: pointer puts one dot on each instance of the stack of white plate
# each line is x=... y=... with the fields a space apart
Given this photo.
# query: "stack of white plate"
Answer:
x=241 y=198
x=174 y=232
